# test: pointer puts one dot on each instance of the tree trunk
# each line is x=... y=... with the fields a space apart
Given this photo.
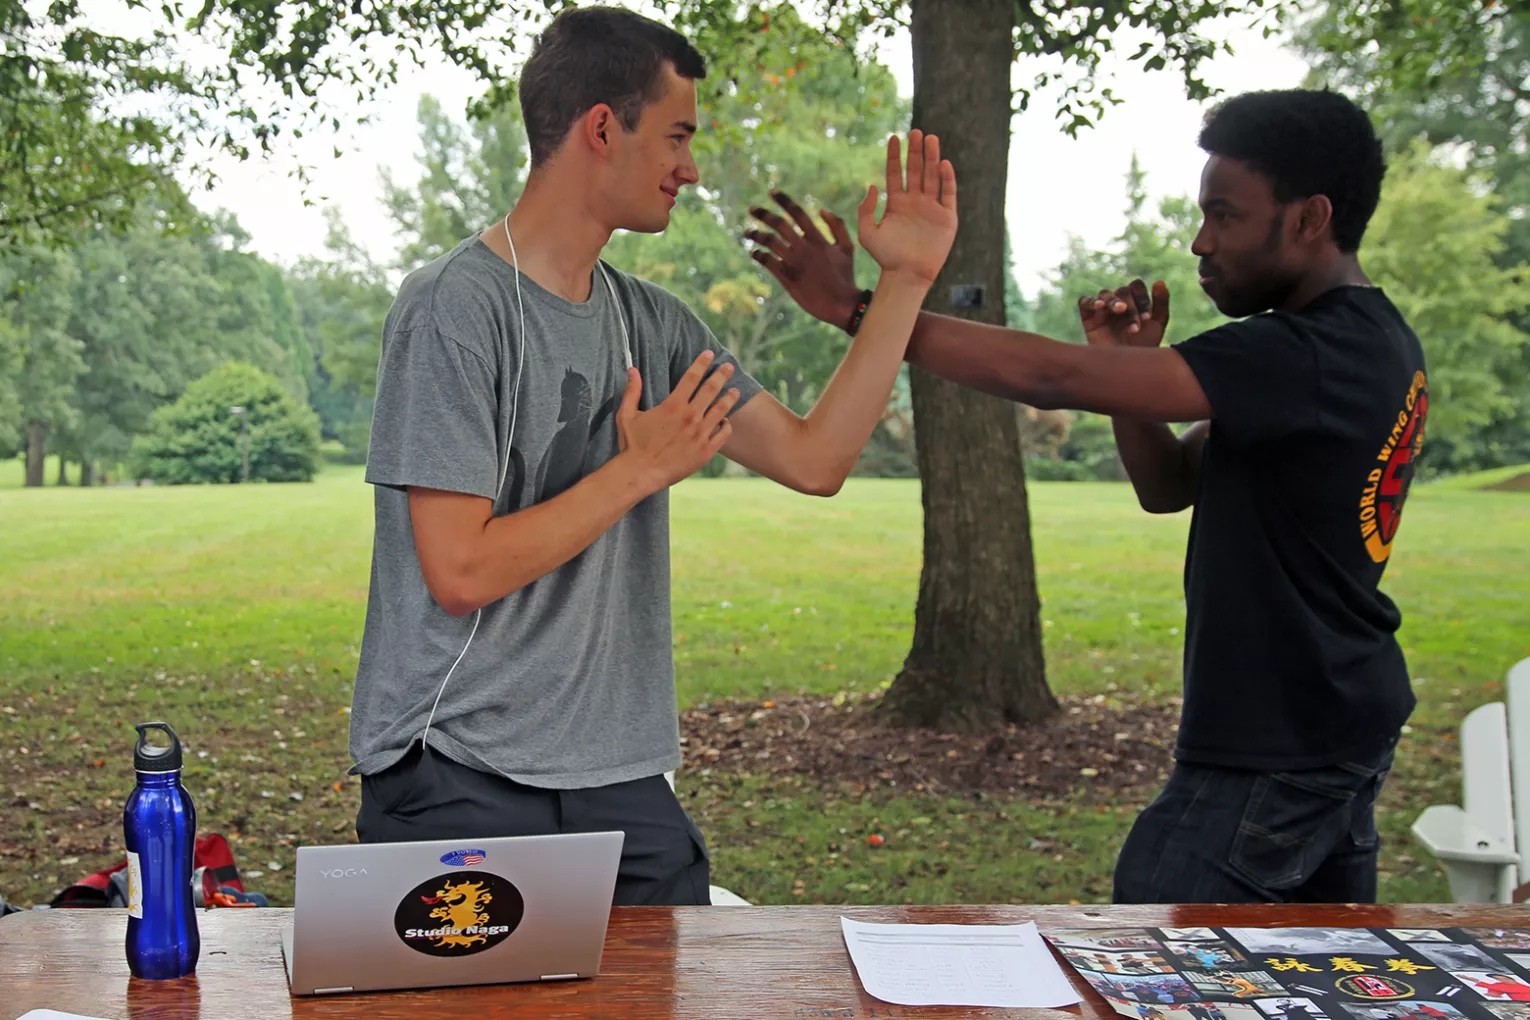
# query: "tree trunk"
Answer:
x=37 y=452
x=87 y=472
x=63 y=471
x=976 y=659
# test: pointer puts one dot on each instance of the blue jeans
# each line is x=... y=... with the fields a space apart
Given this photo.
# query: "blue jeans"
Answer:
x=1218 y=835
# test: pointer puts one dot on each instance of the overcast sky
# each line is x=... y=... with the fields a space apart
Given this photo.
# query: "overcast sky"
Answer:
x=1057 y=185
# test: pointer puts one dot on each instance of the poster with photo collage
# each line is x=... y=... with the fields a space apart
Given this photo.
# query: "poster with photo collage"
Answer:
x=1305 y=973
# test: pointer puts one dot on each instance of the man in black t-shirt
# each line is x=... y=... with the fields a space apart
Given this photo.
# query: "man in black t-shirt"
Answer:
x=1309 y=415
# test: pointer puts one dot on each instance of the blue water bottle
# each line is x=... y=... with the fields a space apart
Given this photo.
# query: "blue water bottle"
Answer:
x=160 y=827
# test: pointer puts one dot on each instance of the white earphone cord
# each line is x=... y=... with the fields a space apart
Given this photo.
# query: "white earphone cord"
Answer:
x=504 y=470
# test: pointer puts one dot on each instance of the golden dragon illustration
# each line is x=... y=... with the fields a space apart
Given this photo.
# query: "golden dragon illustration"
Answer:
x=462 y=908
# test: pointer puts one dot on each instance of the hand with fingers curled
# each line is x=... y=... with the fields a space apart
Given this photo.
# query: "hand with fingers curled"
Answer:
x=672 y=441
x=1128 y=316
x=817 y=273
x=912 y=239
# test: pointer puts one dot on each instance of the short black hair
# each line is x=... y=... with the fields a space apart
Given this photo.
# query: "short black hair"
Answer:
x=1305 y=142
x=594 y=55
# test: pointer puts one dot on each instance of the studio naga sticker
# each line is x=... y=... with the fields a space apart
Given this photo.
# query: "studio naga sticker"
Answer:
x=459 y=914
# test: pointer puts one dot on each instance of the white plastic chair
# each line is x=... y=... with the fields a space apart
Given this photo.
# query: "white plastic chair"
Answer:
x=1519 y=760
x=1480 y=841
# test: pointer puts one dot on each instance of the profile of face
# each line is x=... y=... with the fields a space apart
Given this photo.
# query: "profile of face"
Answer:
x=1251 y=256
x=645 y=168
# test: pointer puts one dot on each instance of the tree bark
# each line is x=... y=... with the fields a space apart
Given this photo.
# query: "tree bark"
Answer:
x=976 y=661
x=37 y=452
x=63 y=471
x=87 y=472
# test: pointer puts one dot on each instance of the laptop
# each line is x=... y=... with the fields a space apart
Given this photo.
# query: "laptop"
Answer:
x=457 y=912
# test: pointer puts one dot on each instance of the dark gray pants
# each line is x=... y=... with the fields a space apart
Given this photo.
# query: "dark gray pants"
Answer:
x=426 y=796
x=1217 y=835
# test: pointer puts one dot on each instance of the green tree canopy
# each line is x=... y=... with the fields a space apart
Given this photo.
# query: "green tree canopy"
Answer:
x=80 y=145
x=12 y=357
x=469 y=176
x=1463 y=303
x=341 y=303
x=125 y=112
x=1449 y=72
x=119 y=323
x=154 y=309
x=36 y=298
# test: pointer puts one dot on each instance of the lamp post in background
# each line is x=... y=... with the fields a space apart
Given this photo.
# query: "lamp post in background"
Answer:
x=244 y=440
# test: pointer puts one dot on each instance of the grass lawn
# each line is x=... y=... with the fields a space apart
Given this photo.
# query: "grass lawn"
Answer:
x=1482 y=479
x=235 y=613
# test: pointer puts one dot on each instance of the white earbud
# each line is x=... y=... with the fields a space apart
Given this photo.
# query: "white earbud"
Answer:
x=515 y=393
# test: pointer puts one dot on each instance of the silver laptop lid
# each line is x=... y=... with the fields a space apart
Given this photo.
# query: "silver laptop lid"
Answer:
x=451 y=912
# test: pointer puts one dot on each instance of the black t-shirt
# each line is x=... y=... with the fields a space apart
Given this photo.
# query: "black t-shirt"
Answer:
x=1291 y=658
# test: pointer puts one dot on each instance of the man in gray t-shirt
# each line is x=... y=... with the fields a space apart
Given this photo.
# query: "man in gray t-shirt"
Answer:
x=521 y=701
x=533 y=407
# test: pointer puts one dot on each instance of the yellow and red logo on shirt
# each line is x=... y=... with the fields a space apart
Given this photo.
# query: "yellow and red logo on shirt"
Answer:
x=1386 y=487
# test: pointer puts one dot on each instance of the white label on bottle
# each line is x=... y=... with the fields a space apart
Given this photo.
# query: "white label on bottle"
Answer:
x=135 y=887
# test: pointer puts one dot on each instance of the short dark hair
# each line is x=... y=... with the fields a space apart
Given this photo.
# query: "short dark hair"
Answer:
x=594 y=55
x=1305 y=142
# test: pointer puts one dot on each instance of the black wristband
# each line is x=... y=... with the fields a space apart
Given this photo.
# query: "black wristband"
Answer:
x=861 y=304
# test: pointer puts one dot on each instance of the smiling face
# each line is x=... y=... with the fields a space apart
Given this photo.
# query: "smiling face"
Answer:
x=647 y=166
x=1247 y=244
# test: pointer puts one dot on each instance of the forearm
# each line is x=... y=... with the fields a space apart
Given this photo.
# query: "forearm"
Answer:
x=1023 y=366
x=1158 y=463
x=1140 y=382
x=1002 y=362
x=490 y=558
x=841 y=423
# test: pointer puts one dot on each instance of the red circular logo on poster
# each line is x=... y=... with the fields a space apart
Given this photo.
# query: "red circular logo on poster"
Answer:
x=1373 y=986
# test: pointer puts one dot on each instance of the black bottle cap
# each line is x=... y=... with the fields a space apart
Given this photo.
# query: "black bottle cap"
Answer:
x=148 y=758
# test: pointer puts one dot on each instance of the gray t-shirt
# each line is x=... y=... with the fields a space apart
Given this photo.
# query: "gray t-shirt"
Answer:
x=569 y=682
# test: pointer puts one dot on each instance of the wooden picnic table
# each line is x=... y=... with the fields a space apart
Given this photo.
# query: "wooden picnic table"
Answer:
x=706 y=963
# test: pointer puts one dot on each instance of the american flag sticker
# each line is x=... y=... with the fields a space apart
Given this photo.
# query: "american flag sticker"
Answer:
x=463 y=858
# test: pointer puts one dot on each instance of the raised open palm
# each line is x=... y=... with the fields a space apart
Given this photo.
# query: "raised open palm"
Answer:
x=919 y=223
